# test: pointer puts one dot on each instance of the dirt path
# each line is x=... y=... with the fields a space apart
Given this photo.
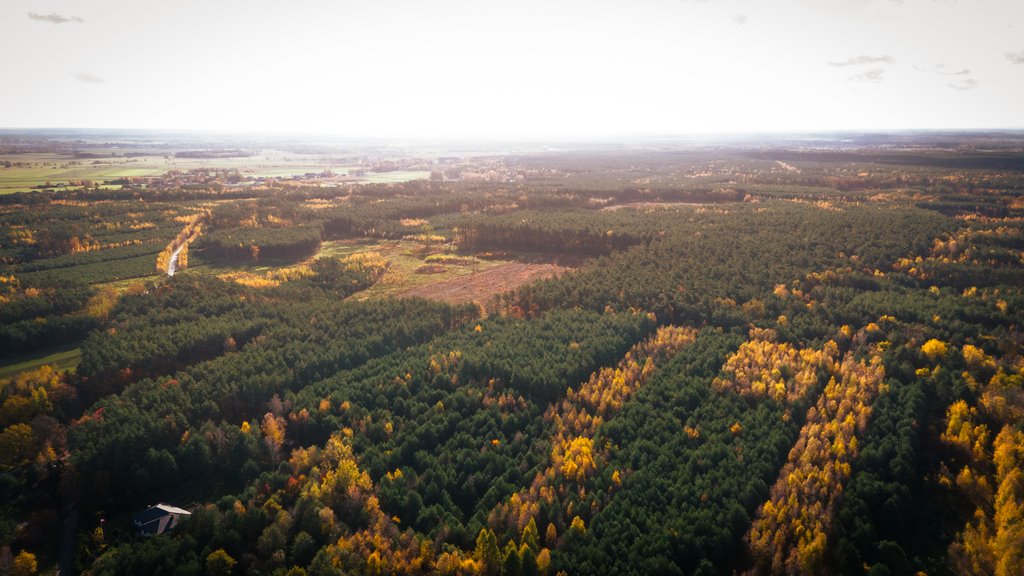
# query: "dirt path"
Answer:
x=482 y=285
x=172 y=264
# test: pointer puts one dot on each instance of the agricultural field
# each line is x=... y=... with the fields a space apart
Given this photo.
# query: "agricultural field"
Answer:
x=777 y=359
x=24 y=166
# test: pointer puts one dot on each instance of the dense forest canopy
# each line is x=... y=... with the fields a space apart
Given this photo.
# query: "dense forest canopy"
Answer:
x=762 y=361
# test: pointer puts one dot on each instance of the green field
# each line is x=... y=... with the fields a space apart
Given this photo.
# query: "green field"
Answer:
x=38 y=169
x=404 y=257
x=122 y=285
x=62 y=360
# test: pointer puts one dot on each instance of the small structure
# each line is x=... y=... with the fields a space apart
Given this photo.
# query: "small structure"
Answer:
x=158 y=519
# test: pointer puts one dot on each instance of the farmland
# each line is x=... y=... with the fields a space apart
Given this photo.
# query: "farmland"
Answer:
x=22 y=168
x=799 y=357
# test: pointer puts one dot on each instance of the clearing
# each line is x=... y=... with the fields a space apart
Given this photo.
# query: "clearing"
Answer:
x=478 y=287
x=414 y=271
x=62 y=359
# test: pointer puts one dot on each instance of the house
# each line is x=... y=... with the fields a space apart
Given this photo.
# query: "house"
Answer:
x=159 y=519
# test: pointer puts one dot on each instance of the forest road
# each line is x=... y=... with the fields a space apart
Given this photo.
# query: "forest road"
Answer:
x=65 y=557
x=172 y=263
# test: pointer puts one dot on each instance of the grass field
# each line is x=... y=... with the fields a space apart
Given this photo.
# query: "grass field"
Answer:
x=462 y=279
x=38 y=169
x=66 y=359
x=123 y=285
x=404 y=258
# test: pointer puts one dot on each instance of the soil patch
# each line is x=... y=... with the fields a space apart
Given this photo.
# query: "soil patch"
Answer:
x=482 y=285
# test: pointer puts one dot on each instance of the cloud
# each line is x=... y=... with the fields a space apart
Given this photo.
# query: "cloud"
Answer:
x=1015 y=57
x=940 y=69
x=88 y=78
x=873 y=75
x=54 y=18
x=963 y=85
x=864 y=59
x=739 y=19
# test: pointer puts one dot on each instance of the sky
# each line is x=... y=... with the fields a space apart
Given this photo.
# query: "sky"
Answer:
x=513 y=68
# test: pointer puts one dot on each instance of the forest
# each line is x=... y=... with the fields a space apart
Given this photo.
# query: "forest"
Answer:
x=748 y=360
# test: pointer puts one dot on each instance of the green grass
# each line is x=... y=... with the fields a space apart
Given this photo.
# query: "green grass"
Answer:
x=329 y=249
x=123 y=285
x=403 y=257
x=66 y=359
x=26 y=178
x=342 y=248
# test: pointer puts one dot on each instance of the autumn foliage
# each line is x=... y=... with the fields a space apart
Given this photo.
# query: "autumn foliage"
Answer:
x=576 y=418
x=790 y=533
x=763 y=367
x=990 y=472
x=192 y=230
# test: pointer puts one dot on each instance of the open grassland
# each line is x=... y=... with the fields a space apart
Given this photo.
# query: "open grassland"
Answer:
x=122 y=286
x=61 y=360
x=411 y=272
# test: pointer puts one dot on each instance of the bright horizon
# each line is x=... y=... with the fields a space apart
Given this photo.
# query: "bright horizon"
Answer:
x=498 y=69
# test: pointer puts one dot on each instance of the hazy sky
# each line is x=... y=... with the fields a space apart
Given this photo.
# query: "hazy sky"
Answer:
x=513 y=67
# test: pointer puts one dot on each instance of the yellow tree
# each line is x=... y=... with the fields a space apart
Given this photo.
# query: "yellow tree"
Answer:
x=1008 y=544
x=25 y=564
x=934 y=349
x=16 y=446
x=219 y=563
x=273 y=435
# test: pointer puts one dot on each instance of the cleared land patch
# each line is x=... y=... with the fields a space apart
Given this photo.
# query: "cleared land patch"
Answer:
x=453 y=278
x=482 y=285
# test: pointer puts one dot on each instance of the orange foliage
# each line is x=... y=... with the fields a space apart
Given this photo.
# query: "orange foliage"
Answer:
x=962 y=432
x=762 y=367
x=791 y=529
x=193 y=228
x=934 y=349
x=273 y=428
x=574 y=457
x=380 y=547
x=992 y=541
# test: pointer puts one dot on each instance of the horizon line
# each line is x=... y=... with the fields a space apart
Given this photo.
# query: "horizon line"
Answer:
x=510 y=137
